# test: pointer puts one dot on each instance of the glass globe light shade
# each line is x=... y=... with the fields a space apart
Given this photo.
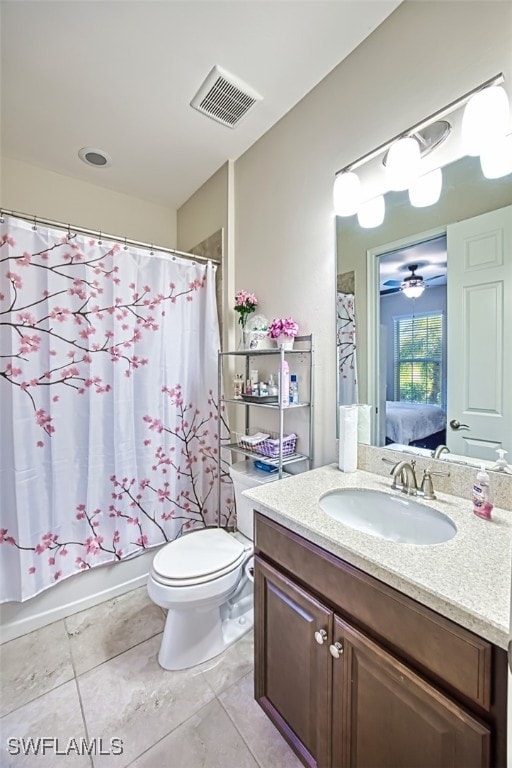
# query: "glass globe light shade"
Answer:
x=496 y=158
x=371 y=213
x=403 y=163
x=346 y=193
x=413 y=291
x=426 y=189
x=485 y=118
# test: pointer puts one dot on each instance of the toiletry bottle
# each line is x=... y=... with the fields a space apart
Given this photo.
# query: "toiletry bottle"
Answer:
x=248 y=387
x=284 y=385
x=482 y=505
x=237 y=386
x=272 y=386
x=502 y=464
x=294 y=389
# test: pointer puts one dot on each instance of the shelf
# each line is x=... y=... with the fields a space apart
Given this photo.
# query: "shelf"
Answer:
x=258 y=352
x=274 y=351
x=291 y=459
x=275 y=406
x=303 y=345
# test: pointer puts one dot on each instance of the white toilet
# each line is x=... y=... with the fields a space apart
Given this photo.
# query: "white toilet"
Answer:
x=204 y=580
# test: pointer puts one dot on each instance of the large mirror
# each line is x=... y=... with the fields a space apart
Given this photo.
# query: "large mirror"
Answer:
x=435 y=369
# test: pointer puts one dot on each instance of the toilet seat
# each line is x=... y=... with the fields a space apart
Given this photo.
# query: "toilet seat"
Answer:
x=198 y=558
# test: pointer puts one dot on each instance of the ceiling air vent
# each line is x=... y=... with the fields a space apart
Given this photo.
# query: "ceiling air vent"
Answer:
x=224 y=98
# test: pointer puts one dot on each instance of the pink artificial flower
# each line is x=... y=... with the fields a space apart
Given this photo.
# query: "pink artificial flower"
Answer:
x=245 y=303
x=283 y=327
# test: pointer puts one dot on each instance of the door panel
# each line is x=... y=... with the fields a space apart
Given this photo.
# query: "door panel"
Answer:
x=479 y=323
x=292 y=671
x=392 y=718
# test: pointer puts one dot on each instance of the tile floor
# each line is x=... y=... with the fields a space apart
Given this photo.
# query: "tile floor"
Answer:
x=95 y=675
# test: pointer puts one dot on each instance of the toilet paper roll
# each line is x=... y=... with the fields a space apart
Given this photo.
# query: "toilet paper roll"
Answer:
x=364 y=424
x=347 y=457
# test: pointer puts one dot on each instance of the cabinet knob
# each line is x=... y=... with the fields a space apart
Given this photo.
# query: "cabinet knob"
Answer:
x=321 y=636
x=336 y=649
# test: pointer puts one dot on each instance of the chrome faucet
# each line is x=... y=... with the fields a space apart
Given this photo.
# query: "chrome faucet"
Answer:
x=439 y=450
x=404 y=471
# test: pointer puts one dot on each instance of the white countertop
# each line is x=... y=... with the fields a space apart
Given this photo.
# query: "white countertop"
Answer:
x=466 y=579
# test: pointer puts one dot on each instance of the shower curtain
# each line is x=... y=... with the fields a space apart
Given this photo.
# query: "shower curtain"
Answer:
x=346 y=348
x=109 y=417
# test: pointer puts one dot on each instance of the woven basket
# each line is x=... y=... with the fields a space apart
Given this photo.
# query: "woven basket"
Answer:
x=270 y=446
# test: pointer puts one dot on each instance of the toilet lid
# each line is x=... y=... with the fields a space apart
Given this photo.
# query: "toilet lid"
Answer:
x=199 y=554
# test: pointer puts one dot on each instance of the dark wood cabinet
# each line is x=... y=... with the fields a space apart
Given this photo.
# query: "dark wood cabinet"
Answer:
x=346 y=697
x=388 y=716
x=295 y=691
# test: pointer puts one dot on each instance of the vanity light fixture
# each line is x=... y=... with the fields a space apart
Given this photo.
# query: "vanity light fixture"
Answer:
x=413 y=144
x=346 y=194
x=426 y=189
x=403 y=163
x=485 y=119
x=371 y=213
x=496 y=159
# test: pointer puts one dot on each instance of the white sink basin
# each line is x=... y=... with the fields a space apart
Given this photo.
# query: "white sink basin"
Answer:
x=397 y=518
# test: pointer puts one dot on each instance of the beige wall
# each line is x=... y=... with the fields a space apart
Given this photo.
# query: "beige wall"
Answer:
x=205 y=212
x=423 y=56
x=209 y=209
x=29 y=189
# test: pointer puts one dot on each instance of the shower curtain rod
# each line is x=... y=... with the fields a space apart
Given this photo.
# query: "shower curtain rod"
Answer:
x=98 y=233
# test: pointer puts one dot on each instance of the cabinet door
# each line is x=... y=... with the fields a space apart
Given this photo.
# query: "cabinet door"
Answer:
x=386 y=716
x=292 y=670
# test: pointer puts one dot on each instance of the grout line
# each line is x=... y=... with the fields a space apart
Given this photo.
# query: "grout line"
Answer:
x=83 y=716
x=70 y=646
x=239 y=731
x=169 y=733
x=39 y=696
x=77 y=687
x=117 y=655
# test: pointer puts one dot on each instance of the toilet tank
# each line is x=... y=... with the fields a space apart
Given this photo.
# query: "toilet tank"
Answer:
x=245 y=475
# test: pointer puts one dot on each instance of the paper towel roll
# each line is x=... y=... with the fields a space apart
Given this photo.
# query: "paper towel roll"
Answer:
x=364 y=424
x=347 y=459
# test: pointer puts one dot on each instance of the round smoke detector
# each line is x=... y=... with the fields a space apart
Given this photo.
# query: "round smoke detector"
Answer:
x=95 y=157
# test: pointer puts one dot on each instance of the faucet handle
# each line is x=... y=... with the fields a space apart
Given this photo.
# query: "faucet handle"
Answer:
x=427 y=486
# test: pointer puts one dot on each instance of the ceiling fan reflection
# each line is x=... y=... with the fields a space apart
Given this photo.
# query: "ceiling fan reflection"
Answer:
x=412 y=286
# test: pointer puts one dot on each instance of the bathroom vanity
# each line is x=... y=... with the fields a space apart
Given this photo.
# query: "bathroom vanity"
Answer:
x=374 y=653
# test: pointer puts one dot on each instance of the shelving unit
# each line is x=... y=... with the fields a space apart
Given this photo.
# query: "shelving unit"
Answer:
x=303 y=346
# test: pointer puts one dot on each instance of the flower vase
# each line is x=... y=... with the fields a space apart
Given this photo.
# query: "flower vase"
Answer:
x=286 y=342
x=244 y=339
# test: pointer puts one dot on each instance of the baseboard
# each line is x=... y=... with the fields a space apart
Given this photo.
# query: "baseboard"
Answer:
x=79 y=592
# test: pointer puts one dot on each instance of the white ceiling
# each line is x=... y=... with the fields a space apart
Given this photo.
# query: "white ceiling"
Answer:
x=119 y=76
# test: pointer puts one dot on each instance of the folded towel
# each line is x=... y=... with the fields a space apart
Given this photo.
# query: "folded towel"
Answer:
x=259 y=437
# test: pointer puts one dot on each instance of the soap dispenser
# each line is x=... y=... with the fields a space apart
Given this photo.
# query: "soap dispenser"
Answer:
x=502 y=464
x=482 y=505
